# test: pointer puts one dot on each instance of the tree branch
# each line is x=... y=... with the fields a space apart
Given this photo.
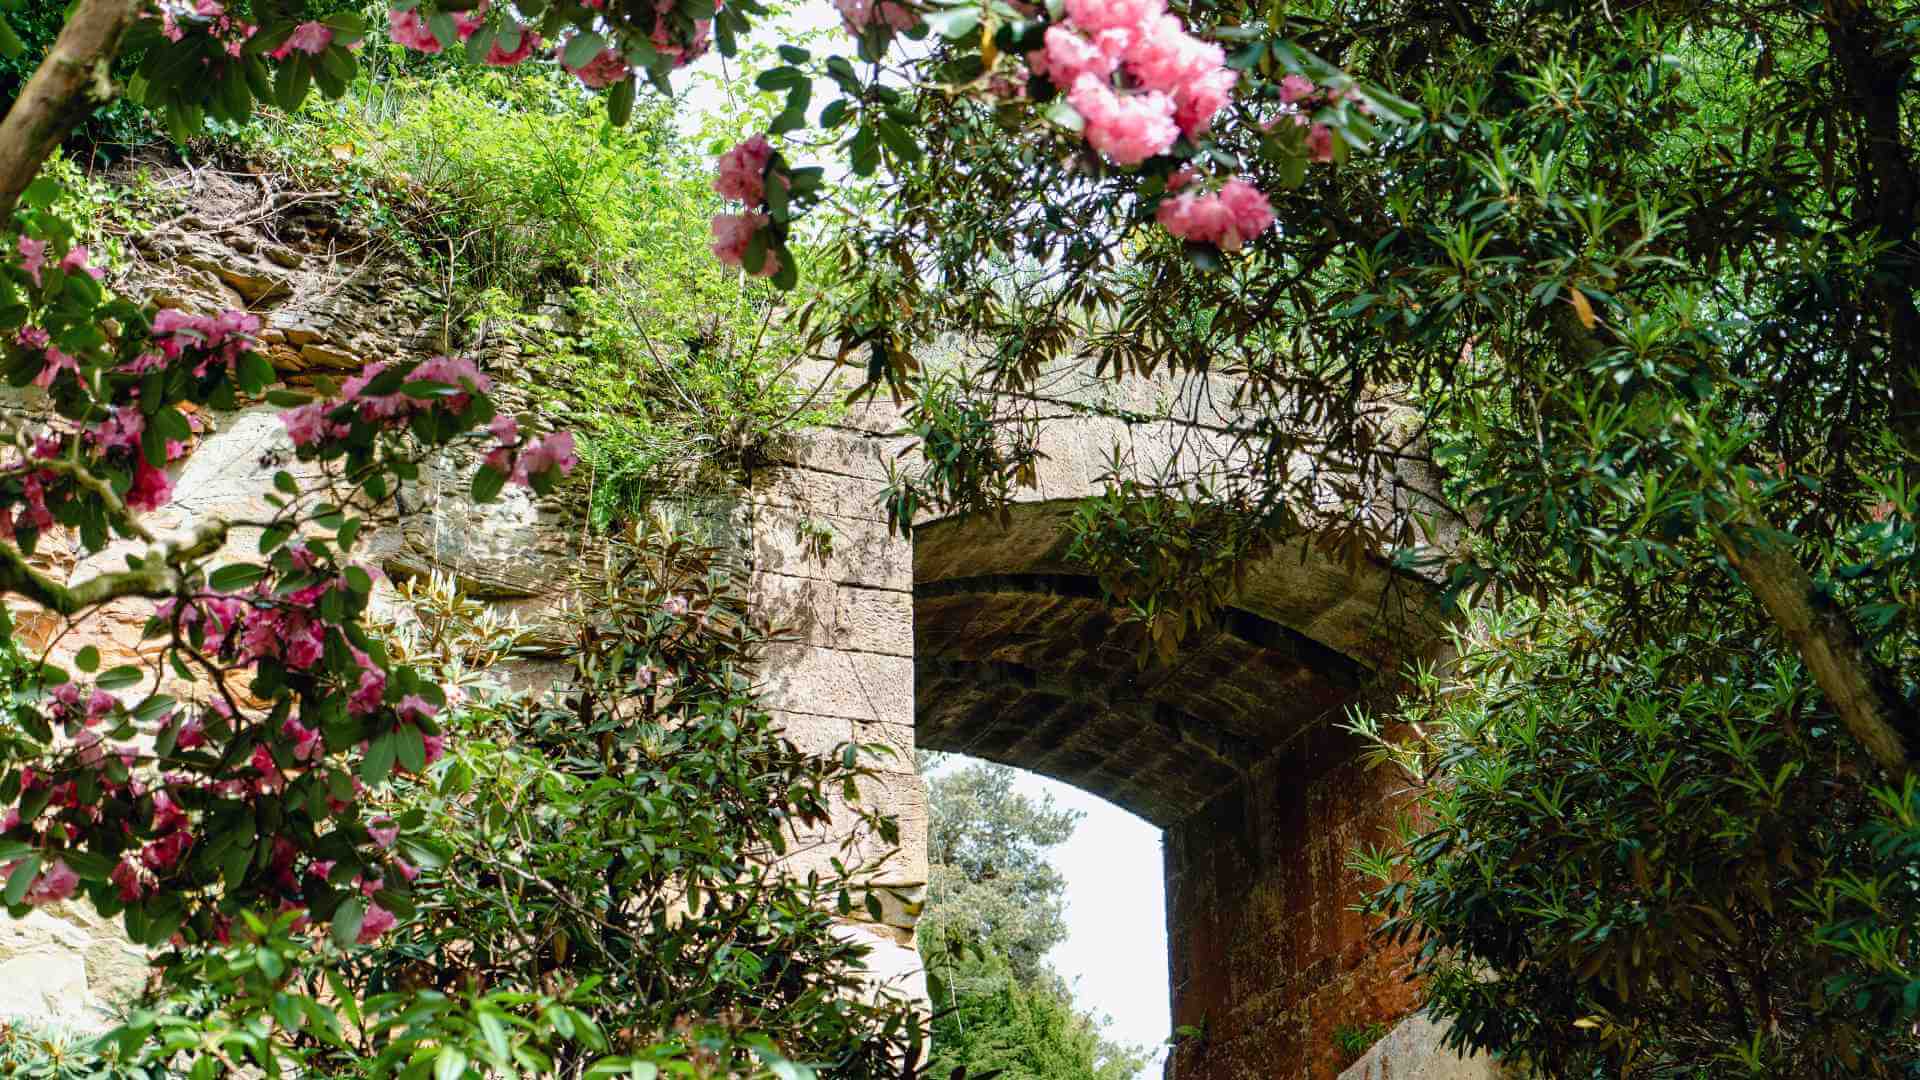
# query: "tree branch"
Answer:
x=69 y=83
x=158 y=575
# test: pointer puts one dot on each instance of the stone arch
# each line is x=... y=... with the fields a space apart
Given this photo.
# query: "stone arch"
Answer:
x=980 y=636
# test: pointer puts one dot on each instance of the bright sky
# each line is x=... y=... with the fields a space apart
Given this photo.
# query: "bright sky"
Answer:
x=1115 y=955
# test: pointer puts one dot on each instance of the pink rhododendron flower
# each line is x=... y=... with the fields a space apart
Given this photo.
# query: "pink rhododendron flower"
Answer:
x=310 y=37
x=33 y=256
x=57 y=362
x=306 y=741
x=731 y=235
x=1294 y=88
x=125 y=877
x=1127 y=128
x=377 y=921
x=468 y=23
x=1164 y=57
x=151 y=488
x=192 y=734
x=857 y=15
x=1094 y=16
x=743 y=171
x=75 y=262
x=527 y=42
x=603 y=70
x=675 y=605
x=32 y=337
x=1227 y=218
x=553 y=452
x=308 y=424
x=384 y=832
x=414 y=706
x=1320 y=143
x=1069 y=55
x=53 y=884
x=1196 y=102
x=164 y=854
x=505 y=429
x=436 y=749
x=409 y=29
x=100 y=706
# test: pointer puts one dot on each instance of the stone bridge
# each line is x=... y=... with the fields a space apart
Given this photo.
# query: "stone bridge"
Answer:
x=972 y=636
x=981 y=637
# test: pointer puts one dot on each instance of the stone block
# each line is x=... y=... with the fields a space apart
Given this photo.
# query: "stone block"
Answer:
x=833 y=615
x=816 y=735
x=892 y=969
x=820 y=493
x=831 y=682
x=837 y=549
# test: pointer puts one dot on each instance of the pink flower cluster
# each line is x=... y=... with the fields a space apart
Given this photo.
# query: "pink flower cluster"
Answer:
x=33 y=260
x=409 y=28
x=609 y=67
x=1301 y=97
x=313 y=423
x=1173 y=83
x=743 y=174
x=733 y=232
x=743 y=171
x=1226 y=218
x=667 y=41
x=309 y=37
x=520 y=461
x=223 y=337
x=210 y=16
x=857 y=15
x=527 y=42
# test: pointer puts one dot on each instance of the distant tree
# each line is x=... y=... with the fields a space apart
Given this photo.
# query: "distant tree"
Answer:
x=994 y=908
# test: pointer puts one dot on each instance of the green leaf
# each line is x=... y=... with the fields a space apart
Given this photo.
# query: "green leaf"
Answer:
x=291 y=82
x=235 y=576
x=21 y=878
x=581 y=49
x=347 y=920
x=620 y=103
x=487 y=482
x=450 y=1065
x=119 y=678
x=953 y=23
x=1066 y=116
x=87 y=659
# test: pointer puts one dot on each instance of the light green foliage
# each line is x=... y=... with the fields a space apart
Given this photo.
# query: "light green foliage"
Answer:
x=1352 y=1040
x=1026 y=1032
x=994 y=908
x=1671 y=861
x=584 y=244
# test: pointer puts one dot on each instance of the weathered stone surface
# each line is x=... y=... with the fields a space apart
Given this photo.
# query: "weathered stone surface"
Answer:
x=837 y=682
x=67 y=966
x=1413 y=1051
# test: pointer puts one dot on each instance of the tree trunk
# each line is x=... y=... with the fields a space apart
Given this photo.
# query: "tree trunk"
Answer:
x=70 y=83
x=1828 y=645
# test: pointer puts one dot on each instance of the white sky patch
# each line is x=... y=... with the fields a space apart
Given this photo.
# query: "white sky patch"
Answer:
x=1115 y=955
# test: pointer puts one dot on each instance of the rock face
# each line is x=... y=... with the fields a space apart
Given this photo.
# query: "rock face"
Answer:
x=975 y=637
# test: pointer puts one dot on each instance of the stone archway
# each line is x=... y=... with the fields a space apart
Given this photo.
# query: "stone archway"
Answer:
x=980 y=637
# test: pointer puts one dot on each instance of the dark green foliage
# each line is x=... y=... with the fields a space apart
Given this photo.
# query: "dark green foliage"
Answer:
x=1673 y=863
x=110 y=128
